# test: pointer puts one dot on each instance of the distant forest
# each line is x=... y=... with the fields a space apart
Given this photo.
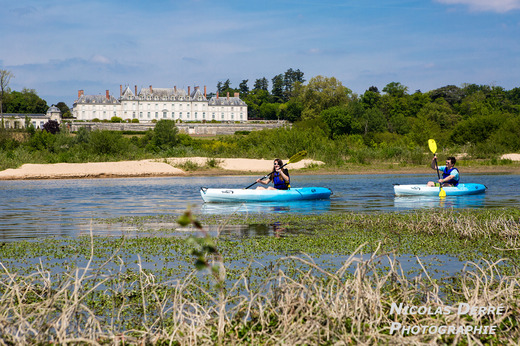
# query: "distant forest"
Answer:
x=483 y=115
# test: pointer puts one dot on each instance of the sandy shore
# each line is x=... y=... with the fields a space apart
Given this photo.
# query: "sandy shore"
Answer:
x=142 y=168
x=173 y=167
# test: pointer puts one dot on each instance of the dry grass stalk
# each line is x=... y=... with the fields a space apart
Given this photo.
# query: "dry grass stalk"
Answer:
x=310 y=306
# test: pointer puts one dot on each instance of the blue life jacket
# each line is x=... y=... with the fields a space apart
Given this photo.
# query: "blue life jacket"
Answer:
x=446 y=173
x=278 y=181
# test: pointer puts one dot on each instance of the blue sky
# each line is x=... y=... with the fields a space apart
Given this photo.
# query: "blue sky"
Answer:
x=58 y=47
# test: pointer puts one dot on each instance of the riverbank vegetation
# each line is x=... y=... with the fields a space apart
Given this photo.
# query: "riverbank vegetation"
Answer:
x=321 y=279
x=324 y=118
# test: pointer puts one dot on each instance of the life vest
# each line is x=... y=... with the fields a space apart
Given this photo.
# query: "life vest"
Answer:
x=279 y=183
x=446 y=173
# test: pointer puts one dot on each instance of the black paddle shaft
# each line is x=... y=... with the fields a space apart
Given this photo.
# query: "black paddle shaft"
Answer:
x=437 y=168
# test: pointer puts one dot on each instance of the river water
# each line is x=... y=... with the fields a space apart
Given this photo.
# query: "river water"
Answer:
x=66 y=207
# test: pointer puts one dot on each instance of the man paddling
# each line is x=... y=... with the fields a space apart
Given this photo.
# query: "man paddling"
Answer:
x=450 y=174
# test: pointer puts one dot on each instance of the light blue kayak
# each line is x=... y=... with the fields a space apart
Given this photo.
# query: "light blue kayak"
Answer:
x=253 y=195
x=424 y=190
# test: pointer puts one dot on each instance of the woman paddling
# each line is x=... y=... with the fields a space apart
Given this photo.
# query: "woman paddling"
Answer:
x=280 y=178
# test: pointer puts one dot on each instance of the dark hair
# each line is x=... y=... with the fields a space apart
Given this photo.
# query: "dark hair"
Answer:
x=452 y=159
x=279 y=162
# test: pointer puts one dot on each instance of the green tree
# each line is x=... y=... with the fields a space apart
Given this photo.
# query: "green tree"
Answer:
x=514 y=96
x=290 y=78
x=507 y=137
x=269 y=110
x=243 y=88
x=338 y=119
x=165 y=134
x=5 y=78
x=395 y=89
x=65 y=110
x=226 y=85
x=26 y=101
x=371 y=120
x=254 y=100
x=277 y=89
x=292 y=110
x=476 y=129
x=371 y=98
x=261 y=84
x=451 y=93
x=321 y=93
x=106 y=143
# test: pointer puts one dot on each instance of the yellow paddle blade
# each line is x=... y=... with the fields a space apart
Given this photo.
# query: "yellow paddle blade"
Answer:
x=432 y=145
x=442 y=193
x=297 y=157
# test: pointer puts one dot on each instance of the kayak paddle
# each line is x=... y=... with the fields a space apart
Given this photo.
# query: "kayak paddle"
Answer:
x=295 y=158
x=433 y=149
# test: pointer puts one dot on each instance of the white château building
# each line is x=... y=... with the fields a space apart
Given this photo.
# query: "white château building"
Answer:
x=160 y=103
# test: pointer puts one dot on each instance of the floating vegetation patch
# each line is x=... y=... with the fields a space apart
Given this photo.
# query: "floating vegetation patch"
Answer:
x=323 y=279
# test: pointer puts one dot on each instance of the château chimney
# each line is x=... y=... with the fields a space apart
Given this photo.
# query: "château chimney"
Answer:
x=120 y=90
x=136 y=90
x=237 y=94
x=204 y=91
x=189 y=91
x=80 y=93
x=228 y=95
x=151 y=89
x=108 y=95
x=217 y=95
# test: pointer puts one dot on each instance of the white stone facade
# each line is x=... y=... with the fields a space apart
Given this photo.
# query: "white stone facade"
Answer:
x=18 y=120
x=160 y=103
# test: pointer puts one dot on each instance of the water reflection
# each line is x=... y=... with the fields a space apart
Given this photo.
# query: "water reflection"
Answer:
x=420 y=202
x=42 y=208
x=276 y=229
x=303 y=207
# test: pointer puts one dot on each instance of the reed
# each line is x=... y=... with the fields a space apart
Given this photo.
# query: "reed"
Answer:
x=301 y=304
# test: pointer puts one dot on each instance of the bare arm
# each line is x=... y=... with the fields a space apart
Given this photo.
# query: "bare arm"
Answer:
x=434 y=161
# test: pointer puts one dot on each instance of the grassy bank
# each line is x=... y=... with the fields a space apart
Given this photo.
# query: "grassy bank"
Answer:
x=324 y=280
x=343 y=153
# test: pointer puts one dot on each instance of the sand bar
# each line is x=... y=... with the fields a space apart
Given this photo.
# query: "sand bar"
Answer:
x=141 y=168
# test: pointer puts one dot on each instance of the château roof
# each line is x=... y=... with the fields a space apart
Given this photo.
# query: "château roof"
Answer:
x=226 y=101
x=98 y=99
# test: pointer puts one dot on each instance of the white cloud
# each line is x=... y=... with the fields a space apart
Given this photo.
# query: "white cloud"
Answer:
x=100 y=59
x=500 y=6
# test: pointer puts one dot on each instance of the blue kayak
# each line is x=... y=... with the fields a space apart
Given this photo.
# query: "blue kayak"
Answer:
x=424 y=190
x=243 y=195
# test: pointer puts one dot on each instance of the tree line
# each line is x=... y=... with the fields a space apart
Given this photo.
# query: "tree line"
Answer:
x=487 y=116
x=469 y=114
